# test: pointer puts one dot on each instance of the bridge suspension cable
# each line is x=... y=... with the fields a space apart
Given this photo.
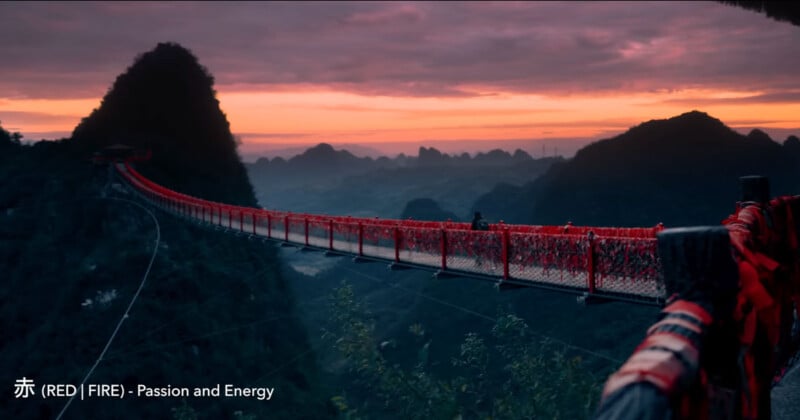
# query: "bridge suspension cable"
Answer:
x=486 y=317
x=135 y=296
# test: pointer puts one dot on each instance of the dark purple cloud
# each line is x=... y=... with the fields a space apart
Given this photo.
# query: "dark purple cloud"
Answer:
x=408 y=49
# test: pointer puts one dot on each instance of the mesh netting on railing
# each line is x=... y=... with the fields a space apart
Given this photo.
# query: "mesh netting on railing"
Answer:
x=475 y=251
x=278 y=225
x=621 y=261
x=549 y=258
x=379 y=241
x=582 y=230
x=297 y=228
x=319 y=232
x=420 y=245
x=345 y=236
x=625 y=265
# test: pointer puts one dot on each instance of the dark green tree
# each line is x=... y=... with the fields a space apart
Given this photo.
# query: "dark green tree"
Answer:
x=9 y=139
x=508 y=374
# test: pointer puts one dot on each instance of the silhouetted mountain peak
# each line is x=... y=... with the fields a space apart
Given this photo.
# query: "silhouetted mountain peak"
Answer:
x=671 y=170
x=690 y=122
x=792 y=145
x=322 y=147
x=430 y=156
x=758 y=135
x=165 y=102
x=324 y=154
x=696 y=116
x=682 y=135
x=520 y=155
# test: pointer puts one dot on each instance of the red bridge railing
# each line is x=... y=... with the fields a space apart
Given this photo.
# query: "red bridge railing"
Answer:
x=613 y=262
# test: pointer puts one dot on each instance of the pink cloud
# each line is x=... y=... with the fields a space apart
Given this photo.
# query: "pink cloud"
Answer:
x=405 y=49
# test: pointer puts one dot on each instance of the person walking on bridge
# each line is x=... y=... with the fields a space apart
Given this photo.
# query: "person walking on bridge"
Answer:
x=478 y=223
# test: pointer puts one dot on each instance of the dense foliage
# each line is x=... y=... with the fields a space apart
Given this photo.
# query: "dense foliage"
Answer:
x=214 y=309
x=8 y=140
x=508 y=374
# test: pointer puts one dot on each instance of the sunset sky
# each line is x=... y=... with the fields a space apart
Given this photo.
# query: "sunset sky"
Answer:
x=367 y=72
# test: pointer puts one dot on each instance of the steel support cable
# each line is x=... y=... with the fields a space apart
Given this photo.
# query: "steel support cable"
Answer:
x=485 y=317
x=177 y=317
x=206 y=301
x=130 y=305
x=227 y=330
x=461 y=308
x=137 y=347
x=198 y=337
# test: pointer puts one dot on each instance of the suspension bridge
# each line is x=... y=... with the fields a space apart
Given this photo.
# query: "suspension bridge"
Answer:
x=592 y=262
x=609 y=263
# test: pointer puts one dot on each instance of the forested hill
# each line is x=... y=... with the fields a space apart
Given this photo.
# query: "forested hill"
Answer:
x=73 y=251
x=166 y=102
x=680 y=171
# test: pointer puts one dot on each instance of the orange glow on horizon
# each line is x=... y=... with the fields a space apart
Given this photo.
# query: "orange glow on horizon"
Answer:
x=314 y=116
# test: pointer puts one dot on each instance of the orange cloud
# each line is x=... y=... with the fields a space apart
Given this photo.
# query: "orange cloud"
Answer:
x=334 y=116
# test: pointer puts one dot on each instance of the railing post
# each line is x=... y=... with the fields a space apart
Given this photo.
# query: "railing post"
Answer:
x=254 y=219
x=305 y=221
x=506 y=249
x=241 y=221
x=396 y=244
x=286 y=228
x=360 y=239
x=219 y=209
x=269 y=225
x=444 y=249
x=590 y=264
x=230 y=218
x=330 y=234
